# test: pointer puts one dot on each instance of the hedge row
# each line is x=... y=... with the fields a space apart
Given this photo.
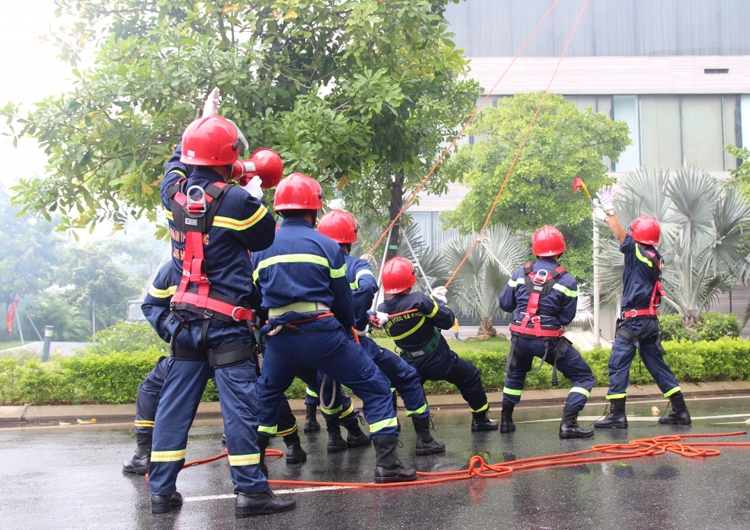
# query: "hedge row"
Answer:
x=114 y=378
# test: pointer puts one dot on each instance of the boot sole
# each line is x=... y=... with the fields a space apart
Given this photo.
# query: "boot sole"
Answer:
x=165 y=508
x=610 y=426
x=135 y=471
x=427 y=452
x=296 y=460
x=251 y=513
x=385 y=480
x=675 y=422
x=572 y=437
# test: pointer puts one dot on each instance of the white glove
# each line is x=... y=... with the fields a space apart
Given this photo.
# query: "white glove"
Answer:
x=607 y=199
x=378 y=319
x=440 y=293
x=362 y=332
x=253 y=187
x=211 y=106
x=599 y=212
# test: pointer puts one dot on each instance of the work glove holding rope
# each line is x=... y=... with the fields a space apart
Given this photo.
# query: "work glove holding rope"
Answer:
x=440 y=293
x=599 y=212
x=606 y=199
x=378 y=319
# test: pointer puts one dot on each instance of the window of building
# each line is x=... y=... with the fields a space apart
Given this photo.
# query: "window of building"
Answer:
x=703 y=132
x=660 y=132
x=625 y=108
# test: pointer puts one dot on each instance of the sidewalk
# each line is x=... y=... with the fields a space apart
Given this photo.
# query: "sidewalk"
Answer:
x=18 y=416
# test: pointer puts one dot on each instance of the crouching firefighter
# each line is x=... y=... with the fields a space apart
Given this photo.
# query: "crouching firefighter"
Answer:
x=544 y=297
x=414 y=320
x=638 y=325
x=342 y=228
x=302 y=280
x=213 y=225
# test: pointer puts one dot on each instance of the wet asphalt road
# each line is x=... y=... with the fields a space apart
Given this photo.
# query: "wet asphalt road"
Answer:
x=70 y=478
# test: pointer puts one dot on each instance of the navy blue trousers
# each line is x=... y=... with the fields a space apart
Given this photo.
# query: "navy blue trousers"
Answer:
x=623 y=354
x=148 y=397
x=570 y=364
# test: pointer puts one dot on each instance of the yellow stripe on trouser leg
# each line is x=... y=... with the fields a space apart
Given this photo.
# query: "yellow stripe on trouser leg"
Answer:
x=482 y=408
x=270 y=431
x=330 y=412
x=511 y=391
x=383 y=424
x=417 y=412
x=347 y=412
x=617 y=396
x=244 y=460
x=579 y=390
x=673 y=391
x=287 y=431
x=168 y=456
x=144 y=423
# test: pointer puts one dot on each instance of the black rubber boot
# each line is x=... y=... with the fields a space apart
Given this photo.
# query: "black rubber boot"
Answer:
x=616 y=419
x=262 y=445
x=294 y=452
x=165 y=503
x=569 y=427
x=138 y=465
x=481 y=422
x=389 y=468
x=679 y=414
x=355 y=437
x=311 y=422
x=264 y=503
x=506 y=417
x=426 y=444
x=335 y=442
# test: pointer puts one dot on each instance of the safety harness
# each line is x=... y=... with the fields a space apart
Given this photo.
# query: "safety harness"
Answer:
x=538 y=284
x=193 y=212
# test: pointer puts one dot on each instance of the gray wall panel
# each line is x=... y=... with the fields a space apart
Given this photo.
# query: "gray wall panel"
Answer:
x=492 y=28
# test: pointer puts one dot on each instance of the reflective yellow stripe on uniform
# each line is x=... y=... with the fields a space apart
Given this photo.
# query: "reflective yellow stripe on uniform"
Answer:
x=149 y=424
x=244 y=460
x=514 y=283
x=673 y=391
x=564 y=290
x=511 y=391
x=412 y=330
x=482 y=408
x=287 y=431
x=240 y=224
x=162 y=293
x=434 y=309
x=300 y=258
x=330 y=412
x=355 y=284
x=347 y=411
x=580 y=390
x=417 y=412
x=383 y=424
x=641 y=257
x=168 y=456
x=622 y=395
x=270 y=431
x=310 y=392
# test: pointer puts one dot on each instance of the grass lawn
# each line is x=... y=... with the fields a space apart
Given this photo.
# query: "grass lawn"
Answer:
x=12 y=344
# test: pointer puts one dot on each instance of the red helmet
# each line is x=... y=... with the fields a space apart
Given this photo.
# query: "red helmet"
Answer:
x=339 y=225
x=298 y=192
x=398 y=275
x=646 y=230
x=212 y=141
x=547 y=241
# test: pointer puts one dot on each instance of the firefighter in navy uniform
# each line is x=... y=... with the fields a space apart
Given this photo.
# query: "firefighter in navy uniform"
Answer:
x=213 y=225
x=638 y=325
x=417 y=334
x=302 y=280
x=544 y=297
x=342 y=228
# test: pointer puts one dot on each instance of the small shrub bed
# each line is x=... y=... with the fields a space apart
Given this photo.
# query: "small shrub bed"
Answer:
x=114 y=377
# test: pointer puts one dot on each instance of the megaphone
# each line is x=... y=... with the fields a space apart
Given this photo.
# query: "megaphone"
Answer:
x=264 y=163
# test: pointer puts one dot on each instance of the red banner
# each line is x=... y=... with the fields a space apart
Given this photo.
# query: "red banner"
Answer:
x=11 y=314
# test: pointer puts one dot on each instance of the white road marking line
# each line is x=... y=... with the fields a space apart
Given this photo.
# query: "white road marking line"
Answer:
x=277 y=492
x=642 y=418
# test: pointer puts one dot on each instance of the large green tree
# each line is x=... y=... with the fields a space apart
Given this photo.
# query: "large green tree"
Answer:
x=563 y=144
x=358 y=93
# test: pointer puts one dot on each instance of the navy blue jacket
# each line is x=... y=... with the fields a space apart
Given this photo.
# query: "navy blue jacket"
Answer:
x=303 y=265
x=242 y=224
x=156 y=305
x=415 y=330
x=558 y=308
x=363 y=286
x=639 y=274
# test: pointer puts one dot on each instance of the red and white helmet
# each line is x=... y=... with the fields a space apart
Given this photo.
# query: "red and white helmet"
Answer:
x=398 y=275
x=547 y=241
x=212 y=141
x=298 y=192
x=646 y=230
x=339 y=225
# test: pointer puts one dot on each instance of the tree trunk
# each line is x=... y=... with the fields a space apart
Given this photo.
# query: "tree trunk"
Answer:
x=486 y=329
x=397 y=202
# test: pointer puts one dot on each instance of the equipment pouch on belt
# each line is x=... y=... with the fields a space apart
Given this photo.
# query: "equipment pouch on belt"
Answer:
x=562 y=348
x=229 y=354
x=510 y=364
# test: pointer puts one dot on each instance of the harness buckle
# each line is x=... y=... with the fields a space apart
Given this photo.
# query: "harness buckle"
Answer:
x=539 y=278
x=208 y=313
x=196 y=206
x=234 y=311
x=275 y=330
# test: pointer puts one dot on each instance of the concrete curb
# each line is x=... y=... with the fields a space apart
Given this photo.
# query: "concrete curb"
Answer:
x=15 y=416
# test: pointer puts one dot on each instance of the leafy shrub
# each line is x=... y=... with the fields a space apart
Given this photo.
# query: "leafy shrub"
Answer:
x=127 y=337
x=711 y=327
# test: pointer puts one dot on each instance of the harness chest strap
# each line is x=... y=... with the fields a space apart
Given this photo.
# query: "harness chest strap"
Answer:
x=656 y=294
x=537 y=285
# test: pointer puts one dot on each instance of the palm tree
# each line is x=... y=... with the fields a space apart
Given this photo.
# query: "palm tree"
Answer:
x=478 y=283
x=703 y=242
